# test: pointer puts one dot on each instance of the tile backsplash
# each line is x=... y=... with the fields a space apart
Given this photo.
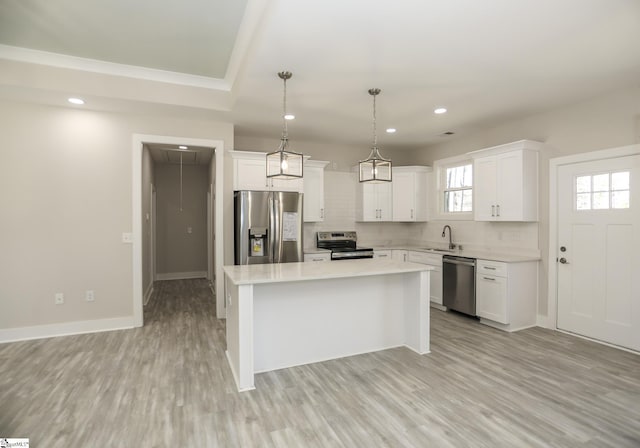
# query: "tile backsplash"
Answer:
x=340 y=202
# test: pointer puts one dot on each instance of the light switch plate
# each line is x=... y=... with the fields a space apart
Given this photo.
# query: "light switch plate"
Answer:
x=127 y=238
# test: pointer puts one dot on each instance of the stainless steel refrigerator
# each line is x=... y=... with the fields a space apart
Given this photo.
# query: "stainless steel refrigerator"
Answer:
x=268 y=227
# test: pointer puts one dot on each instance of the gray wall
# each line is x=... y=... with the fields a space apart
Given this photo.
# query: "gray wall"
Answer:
x=66 y=199
x=177 y=250
x=606 y=121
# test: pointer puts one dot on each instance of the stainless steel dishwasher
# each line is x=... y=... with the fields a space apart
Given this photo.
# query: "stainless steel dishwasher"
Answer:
x=459 y=284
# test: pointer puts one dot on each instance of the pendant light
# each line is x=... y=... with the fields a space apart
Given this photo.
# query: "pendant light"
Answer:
x=284 y=164
x=375 y=168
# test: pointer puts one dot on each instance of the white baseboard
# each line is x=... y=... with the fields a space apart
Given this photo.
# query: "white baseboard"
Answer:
x=181 y=275
x=65 y=329
x=147 y=293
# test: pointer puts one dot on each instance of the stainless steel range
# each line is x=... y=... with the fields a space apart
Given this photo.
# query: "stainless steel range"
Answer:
x=343 y=245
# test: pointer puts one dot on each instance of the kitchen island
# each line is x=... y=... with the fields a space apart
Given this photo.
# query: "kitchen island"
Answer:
x=289 y=314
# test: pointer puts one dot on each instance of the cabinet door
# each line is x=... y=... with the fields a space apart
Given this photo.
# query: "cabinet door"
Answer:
x=435 y=276
x=509 y=186
x=250 y=174
x=384 y=201
x=296 y=185
x=313 y=194
x=484 y=189
x=369 y=202
x=491 y=298
x=435 y=281
x=404 y=196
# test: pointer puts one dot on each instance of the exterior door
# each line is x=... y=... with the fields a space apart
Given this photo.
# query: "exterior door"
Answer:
x=598 y=259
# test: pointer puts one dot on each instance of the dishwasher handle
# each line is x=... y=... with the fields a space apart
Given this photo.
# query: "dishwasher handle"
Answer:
x=459 y=260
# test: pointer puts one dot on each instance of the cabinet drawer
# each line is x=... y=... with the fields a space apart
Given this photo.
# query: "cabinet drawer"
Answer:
x=424 y=258
x=493 y=268
x=317 y=257
x=382 y=253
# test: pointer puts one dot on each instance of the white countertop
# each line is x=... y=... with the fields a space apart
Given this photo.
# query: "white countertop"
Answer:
x=472 y=253
x=296 y=272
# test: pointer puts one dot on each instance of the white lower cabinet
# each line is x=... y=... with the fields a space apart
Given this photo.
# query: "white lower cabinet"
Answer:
x=507 y=294
x=399 y=255
x=435 y=278
x=385 y=253
x=317 y=257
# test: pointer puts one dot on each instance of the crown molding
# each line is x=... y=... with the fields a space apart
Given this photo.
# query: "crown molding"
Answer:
x=110 y=68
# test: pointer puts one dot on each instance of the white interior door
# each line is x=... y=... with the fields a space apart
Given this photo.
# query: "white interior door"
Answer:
x=599 y=250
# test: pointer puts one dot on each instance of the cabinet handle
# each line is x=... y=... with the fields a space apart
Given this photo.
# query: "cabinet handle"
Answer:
x=489 y=268
x=493 y=210
x=498 y=210
x=489 y=278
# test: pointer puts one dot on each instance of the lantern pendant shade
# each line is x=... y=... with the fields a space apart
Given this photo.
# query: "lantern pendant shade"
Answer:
x=375 y=169
x=284 y=164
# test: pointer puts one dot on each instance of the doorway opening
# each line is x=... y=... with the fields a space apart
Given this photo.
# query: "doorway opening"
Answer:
x=176 y=215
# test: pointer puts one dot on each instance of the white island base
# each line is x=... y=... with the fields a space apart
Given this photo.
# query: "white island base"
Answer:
x=291 y=314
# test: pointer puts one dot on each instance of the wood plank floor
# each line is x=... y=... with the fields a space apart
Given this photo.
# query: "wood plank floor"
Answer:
x=168 y=384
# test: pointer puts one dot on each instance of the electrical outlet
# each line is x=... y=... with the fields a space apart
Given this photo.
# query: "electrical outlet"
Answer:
x=127 y=238
x=59 y=298
x=89 y=295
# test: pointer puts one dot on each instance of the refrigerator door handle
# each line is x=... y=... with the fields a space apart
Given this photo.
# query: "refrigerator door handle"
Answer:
x=276 y=229
x=272 y=228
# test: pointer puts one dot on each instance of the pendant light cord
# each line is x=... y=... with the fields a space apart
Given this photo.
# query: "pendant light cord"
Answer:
x=375 y=134
x=284 y=111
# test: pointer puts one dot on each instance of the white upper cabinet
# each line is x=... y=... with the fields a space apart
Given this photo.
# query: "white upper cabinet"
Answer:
x=373 y=201
x=250 y=173
x=409 y=189
x=314 y=190
x=505 y=184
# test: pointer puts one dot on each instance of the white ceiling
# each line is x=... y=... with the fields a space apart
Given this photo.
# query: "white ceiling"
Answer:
x=194 y=36
x=486 y=62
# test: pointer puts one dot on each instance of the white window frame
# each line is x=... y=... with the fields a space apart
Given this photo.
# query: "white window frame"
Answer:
x=440 y=169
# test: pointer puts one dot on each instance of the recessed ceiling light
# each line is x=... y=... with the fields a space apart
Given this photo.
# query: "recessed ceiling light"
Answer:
x=289 y=117
x=182 y=147
x=440 y=110
x=391 y=131
x=78 y=101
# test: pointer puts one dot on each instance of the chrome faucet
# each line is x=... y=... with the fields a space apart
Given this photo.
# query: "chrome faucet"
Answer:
x=444 y=231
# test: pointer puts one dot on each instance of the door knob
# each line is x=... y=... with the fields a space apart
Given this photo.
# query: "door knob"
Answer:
x=563 y=261
x=563 y=249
